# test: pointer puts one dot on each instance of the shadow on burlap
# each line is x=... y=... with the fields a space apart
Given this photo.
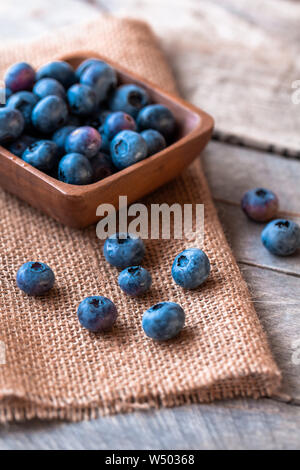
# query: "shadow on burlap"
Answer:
x=56 y=369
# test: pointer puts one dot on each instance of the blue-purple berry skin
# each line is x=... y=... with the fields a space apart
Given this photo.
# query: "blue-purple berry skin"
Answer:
x=20 y=76
x=75 y=168
x=60 y=71
x=191 y=268
x=129 y=98
x=123 y=250
x=127 y=148
x=281 y=237
x=5 y=93
x=85 y=140
x=117 y=122
x=12 y=124
x=260 y=204
x=19 y=146
x=97 y=314
x=154 y=140
x=159 y=118
x=102 y=166
x=84 y=65
x=42 y=154
x=24 y=101
x=163 y=321
x=35 y=278
x=81 y=99
x=49 y=114
x=135 y=280
x=101 y=77
x=60 y=137
x=105 y=142
x=49 y=86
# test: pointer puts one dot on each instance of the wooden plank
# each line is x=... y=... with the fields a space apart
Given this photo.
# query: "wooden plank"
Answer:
x=231 y=170
x=238 y=424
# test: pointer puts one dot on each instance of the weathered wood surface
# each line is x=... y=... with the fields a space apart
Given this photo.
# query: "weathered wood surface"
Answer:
x=211 y=63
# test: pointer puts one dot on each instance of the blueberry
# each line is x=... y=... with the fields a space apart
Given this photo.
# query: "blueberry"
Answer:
x=281 y=237
x=190 y=268
x=101 y=77
x=19 y=146
x=97 y=314
x=24 y=101
x=85 y=64
x=60 y=136
x=49 y=114
x=85 y=140
x=103 y=115
x=154 y=140
x=105 y=142
x=123 y=250
x=117 y=122
x=135 y=280
x=129 y=98
x=20 y=77
x=11 y=124
x=260 y=204
x=159 y=118
x=41 y=154
x=5 y=93
x=35 y=278
x=127 y=148
x=61 y=71
x=102 y=166
x=49 y=86
x=81 y=99
x=163 y=321
x=75 y=168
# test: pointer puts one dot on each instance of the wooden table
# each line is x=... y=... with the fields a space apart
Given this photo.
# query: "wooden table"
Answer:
x=274 y=284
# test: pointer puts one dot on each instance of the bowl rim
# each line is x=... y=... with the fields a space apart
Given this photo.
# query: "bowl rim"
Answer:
x=204 y=123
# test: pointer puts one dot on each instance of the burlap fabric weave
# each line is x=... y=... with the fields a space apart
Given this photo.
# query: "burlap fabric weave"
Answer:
x=56 y=369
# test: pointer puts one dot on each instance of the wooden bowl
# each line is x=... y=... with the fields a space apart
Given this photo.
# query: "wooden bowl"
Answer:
x=76 y=206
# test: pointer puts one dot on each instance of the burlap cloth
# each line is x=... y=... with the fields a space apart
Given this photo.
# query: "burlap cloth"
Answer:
x=56 y=369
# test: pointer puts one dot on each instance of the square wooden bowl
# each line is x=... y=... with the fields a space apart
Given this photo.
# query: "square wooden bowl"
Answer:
x=76 y=206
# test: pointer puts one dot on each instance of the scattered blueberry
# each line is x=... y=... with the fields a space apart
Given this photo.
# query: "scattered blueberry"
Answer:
x=102 y=166
x=135 y=280
x=41 y=154
x=130 y=99
x=154 y=140
x=19 y=146
x=260 y=204
x=20 y=76
x=85 y=140
x=101 y=77
x=123 y=250
x=158 y=117
x=127 y=148
x=49 y=86
x=75 y=168
x=49 y=114
x=60 y=136
x=117 y=122
x=61 y=71
x=281 y=237
x=11 y=124
x=35 y=278
x=191 y=268
x=81 y=99
x=24 y=101
x=97 y=314
x=163 y=321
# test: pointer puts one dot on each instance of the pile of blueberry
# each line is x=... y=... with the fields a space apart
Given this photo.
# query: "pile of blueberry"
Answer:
x=80 y=126
x=125 y=251
x=281 y=236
